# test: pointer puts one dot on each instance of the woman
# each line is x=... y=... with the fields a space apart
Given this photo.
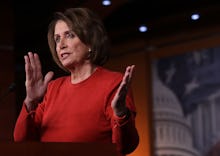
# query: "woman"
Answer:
x=92 y=104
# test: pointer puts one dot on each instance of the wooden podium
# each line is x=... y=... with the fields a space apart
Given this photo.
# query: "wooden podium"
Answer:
x=57 y=149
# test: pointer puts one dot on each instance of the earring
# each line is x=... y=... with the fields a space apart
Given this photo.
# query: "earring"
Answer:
x=90 y=53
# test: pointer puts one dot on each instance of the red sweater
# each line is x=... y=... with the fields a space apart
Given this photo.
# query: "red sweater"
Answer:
x=80 y=113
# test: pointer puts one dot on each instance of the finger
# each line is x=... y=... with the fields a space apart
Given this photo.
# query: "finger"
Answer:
x=27 y=68
x=128 y=74
x=33 y=65
x=131 y=72
x=48 y=77
x=126 y=80
x=124 y=84
x=127 y=77
x=37 y=66
x=32 y=61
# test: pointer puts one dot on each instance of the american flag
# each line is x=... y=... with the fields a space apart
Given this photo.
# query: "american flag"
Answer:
x=192 y=76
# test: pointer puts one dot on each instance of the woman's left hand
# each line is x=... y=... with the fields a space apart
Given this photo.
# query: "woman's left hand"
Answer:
x=119 y=101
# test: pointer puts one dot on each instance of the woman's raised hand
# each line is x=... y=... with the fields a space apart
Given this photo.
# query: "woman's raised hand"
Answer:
x=119 y=101
x=35 y=83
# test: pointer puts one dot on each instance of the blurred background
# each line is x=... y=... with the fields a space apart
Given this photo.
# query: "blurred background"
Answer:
x=139 y=31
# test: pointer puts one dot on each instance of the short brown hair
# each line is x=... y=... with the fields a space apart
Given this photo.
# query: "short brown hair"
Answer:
x=88 y=27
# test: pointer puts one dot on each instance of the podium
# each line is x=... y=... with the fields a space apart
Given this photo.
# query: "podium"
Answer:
x=57 y=149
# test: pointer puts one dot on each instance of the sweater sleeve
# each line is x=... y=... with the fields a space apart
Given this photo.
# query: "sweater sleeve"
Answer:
x=27 y=126
x=124 y=132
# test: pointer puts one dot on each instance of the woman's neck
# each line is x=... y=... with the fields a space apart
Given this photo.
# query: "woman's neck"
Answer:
x=81 y=73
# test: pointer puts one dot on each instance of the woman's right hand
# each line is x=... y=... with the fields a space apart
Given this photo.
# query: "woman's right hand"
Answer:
x=35 y=83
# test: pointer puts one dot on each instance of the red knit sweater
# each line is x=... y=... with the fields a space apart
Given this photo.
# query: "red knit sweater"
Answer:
x=80 y=113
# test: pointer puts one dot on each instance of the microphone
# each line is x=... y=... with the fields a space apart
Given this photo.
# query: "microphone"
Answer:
x=10 y=89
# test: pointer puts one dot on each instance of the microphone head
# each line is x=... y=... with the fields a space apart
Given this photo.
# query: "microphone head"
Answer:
x=11 y=87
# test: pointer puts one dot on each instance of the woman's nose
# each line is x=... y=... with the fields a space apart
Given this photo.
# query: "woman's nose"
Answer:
x=63 y=44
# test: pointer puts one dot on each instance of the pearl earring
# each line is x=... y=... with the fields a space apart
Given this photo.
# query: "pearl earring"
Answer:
x=89 y=54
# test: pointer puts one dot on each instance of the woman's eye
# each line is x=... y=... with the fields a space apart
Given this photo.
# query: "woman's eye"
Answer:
x=69 y=35
x=57 y=39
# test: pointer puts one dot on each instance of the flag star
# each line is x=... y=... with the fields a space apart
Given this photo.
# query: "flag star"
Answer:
x=191 y=86
x=169 y=73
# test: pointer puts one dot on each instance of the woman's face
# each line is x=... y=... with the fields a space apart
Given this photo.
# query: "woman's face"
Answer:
x=70 y=50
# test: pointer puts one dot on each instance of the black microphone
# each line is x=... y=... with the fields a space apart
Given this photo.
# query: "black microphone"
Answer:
x=10 y=89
